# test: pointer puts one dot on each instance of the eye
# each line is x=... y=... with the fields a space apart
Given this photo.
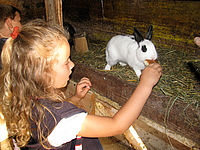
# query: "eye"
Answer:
x=67 y=62
x=144 y=48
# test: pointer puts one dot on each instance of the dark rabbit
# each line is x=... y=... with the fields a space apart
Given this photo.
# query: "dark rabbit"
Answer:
x=68 y=27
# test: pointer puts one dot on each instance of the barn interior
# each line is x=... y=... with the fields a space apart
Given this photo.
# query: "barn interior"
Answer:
x=171 y=117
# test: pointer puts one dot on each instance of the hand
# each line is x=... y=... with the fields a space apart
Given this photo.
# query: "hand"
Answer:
x=82 y=88
x=151 y=75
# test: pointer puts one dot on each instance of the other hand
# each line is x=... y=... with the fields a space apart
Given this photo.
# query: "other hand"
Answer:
x=82 y=88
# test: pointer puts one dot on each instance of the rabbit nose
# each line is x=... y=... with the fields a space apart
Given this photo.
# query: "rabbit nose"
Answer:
x=154 y=57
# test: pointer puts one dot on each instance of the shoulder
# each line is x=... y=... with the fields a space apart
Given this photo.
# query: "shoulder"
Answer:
x=61 y=109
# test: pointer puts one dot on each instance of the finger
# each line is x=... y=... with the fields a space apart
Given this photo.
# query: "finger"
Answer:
x=84 y=91
x=84 y=85
x=85 y=80
x=156 y=66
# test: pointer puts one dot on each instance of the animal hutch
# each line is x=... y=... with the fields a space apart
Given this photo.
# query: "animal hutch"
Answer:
x=171 y=117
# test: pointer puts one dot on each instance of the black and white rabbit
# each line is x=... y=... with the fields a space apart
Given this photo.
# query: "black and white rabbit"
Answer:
x=133 y=50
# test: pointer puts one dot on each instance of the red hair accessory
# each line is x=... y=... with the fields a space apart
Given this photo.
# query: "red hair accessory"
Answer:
x=15 y=32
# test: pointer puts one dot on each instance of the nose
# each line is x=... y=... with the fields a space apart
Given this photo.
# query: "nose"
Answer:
x=71 y=65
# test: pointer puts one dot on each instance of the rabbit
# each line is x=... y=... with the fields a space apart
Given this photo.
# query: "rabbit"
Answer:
x=132 y=50
x=68 y=27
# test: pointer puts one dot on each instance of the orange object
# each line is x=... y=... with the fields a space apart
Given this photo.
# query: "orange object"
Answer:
x=15 y=32
x=148 y=62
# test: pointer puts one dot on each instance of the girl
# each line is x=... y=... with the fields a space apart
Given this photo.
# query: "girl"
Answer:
x=10 y=18
x=36 y=66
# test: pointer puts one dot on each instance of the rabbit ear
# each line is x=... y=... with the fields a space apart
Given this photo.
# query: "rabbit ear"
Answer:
x=138 y=35
x=150 y=32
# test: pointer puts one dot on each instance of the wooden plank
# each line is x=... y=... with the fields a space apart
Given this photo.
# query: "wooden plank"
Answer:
x=58 y=4
x=54 y=11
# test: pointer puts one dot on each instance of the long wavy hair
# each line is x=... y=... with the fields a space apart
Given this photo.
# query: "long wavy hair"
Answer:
x=27 y=75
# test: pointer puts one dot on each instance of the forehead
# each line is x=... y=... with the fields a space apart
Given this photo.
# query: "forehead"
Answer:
x=63 y=51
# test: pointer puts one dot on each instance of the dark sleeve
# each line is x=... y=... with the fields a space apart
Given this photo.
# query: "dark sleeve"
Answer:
x=56 y=112
x=59 y=111
x=2 y=42
x=62 y=110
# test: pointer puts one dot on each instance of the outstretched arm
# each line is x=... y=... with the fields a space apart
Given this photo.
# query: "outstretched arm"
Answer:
x=97 y=126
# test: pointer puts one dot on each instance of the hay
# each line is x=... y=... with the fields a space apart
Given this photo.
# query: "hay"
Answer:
x=177 y=81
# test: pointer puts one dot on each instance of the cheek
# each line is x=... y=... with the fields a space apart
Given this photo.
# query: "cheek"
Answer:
x=61 y=79
x=68 y=71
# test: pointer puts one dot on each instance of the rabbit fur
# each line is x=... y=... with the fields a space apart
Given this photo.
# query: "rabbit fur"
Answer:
x=131 y=49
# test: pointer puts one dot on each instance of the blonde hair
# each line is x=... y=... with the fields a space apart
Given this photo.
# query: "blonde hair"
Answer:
x=27 y=73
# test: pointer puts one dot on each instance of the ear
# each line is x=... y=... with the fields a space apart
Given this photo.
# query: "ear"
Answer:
x=138 y=35
x=150 y=32
x=9 y=23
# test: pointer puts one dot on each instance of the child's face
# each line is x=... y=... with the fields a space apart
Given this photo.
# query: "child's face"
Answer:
x=63 y=66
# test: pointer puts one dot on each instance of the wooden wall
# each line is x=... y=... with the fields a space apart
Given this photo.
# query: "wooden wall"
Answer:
x=175 y=22
x=15 y=3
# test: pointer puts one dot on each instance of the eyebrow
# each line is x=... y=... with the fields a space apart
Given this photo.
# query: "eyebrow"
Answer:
x=67 y=60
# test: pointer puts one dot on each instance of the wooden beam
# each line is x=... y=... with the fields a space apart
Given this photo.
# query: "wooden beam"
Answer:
x=54 y=11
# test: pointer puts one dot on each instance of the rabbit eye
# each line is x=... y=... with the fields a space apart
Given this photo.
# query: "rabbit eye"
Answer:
x=144 y=48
